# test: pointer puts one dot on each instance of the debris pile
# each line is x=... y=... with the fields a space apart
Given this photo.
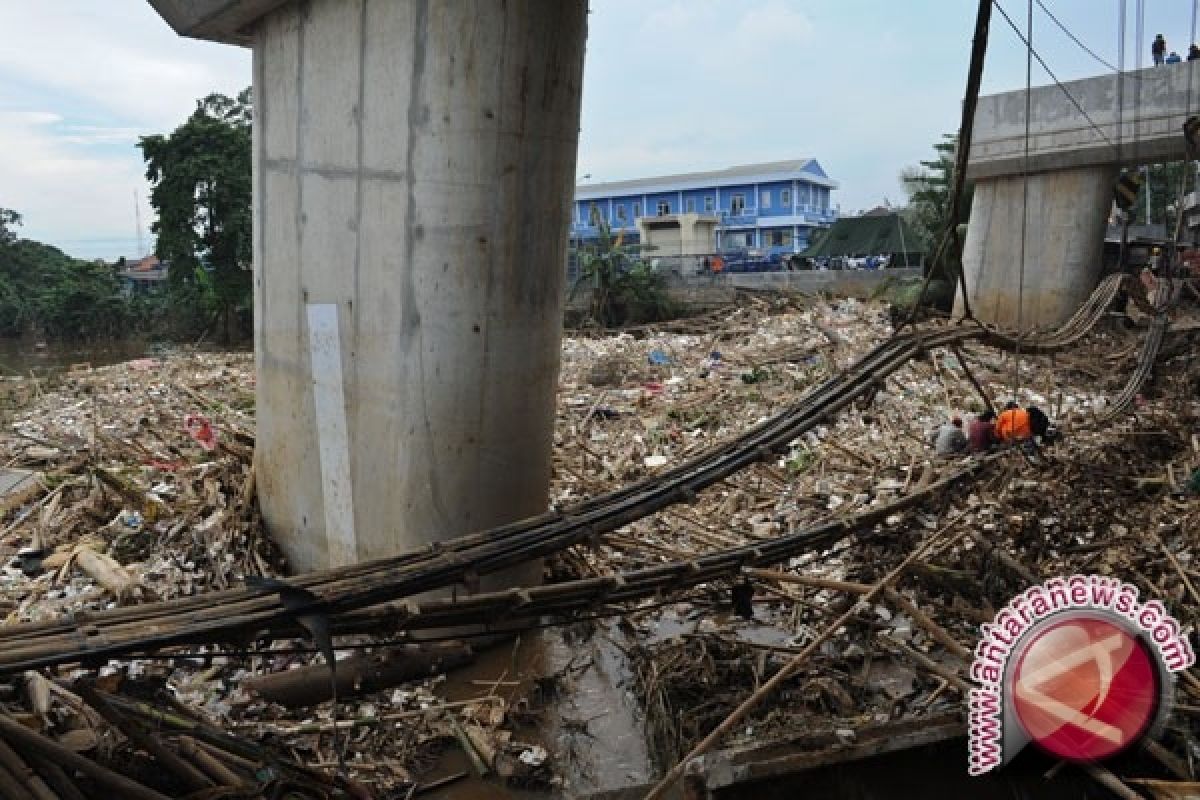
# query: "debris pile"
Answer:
x=139 y=485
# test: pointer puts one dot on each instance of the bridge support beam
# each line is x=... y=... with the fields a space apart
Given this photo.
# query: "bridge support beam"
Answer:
x=1065 y=214
x=414 y=162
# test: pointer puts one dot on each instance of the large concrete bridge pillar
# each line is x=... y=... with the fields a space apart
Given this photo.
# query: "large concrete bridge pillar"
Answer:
x=1065 y=215
x=414 y=162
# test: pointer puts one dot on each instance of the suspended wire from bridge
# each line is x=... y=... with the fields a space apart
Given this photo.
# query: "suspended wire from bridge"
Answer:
x=1017 y=30
x=1073 y=37
x=1016 y=384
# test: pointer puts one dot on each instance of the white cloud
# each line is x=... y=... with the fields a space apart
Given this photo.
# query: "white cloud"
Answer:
x=32 y=117
x=83 y=81
x=118 y=56
x=66 y=195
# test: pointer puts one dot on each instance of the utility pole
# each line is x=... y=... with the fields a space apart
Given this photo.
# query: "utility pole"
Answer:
x=137 y=221
x=1147 y=168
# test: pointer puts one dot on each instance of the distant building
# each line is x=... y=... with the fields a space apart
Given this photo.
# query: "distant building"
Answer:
x=142 y=275
x=773 y=208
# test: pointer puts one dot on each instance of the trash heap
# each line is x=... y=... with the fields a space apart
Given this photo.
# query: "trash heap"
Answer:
x=137 y=483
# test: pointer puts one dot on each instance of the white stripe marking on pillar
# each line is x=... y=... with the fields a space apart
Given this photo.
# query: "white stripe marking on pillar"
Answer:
x=333 y=444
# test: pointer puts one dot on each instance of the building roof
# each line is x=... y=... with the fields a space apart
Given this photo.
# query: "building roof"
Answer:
x=808 y=168
x=866 y=235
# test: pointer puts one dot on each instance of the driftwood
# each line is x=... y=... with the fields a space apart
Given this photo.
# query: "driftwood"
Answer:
x=361 y=673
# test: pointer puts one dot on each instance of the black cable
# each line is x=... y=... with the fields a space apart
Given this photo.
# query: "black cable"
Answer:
x=1024 y=201
x=1074 y=38
x=1053 y=77
x=427 y=638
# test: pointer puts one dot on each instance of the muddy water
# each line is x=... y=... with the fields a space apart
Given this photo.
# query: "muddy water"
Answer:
x=580 y=711
x=19 y=356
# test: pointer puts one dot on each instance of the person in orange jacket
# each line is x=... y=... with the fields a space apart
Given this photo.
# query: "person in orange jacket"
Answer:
x=1017 y=425
x=1013 y=425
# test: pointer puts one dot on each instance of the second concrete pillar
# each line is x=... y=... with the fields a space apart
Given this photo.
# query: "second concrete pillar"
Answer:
x=1065 y=214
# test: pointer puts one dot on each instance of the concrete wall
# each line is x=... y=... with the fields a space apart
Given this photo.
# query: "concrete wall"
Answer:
x=1140 y=116
x=709 y=291
x=1065 y=216
x=414 y=162
x=851 y=283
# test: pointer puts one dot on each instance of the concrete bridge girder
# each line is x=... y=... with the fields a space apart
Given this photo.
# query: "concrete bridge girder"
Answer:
x=1072 y=162
x=1134 y=118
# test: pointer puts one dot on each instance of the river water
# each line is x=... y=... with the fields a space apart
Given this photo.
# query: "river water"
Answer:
x=19 y=356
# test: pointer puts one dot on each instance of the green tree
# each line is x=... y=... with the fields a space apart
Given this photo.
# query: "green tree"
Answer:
x=200 y=176
x=1163 y=183
x=624 y=288
x=13 y=314
x=929 y=186
x=9 y=219
x=43 y=289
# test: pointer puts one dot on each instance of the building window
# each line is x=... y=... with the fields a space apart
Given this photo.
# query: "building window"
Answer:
x=737 y=204
x=691 y=205
x=708 y=203
x=593 y=215
x=621 y=212
x=785 y=198
x=664 y=208
x=637 y=210
x=766 y=200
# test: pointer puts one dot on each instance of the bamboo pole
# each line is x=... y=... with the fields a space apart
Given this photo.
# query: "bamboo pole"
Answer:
x=789 y=669
x=940 y=634
x=167 y=758
x=57 y=778
x=28 y=778
x=124 y=787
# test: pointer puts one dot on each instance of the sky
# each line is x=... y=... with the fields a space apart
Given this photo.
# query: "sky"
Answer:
x=864 y=86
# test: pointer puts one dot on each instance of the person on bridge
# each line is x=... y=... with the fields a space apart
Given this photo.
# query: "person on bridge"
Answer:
x=1158 y=49
x=949 y=440
x=1193 y=53
x=981 y=432
x=1174 y=58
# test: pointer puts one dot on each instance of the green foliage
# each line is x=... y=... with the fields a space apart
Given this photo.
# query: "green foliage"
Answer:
x=625 y=290
x=904 y=295
x=929 y=187
x=44 y=290
x=800 y=461
x=9 y=219
x=1163 y=183
x=756 y=375
x=200 y=176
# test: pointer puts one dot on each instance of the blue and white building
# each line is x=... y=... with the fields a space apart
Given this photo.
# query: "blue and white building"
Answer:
x=772 y=208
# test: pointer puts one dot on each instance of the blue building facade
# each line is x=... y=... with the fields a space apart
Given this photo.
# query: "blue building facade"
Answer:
x=772 y=208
